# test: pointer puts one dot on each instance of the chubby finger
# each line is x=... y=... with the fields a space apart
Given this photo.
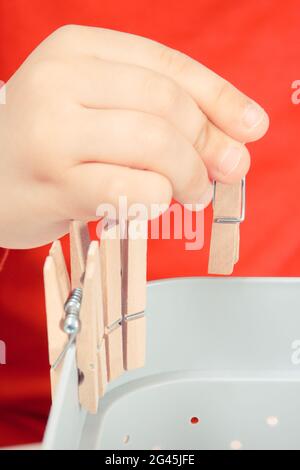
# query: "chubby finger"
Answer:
x=111 y=85
x=98 y=86
x=232 y=111
x=142 y=141
x=92 y=190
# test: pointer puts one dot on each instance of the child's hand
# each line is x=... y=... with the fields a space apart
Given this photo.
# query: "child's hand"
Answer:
x=91 y=109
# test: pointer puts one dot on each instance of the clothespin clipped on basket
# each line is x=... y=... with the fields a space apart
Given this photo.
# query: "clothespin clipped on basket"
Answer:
x=112 y=297
x=134 y=272
x=57 y=288
x=87 y=310
x=229 y=204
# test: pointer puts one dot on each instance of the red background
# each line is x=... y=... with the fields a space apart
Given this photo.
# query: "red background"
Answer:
x=255 y=45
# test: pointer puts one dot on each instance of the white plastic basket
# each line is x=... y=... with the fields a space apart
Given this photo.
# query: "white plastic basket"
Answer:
x=220 y=350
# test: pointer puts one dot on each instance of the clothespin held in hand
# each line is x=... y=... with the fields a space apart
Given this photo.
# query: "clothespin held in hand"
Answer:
x=134 y=278
x=228 y=212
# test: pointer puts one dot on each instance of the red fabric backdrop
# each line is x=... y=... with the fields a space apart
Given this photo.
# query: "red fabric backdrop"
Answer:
x=255 y=45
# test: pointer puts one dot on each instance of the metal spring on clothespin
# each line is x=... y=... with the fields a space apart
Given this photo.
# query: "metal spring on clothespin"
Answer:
x=72 y=309
x=72 y=323
x=232 y=220
x=108 y=338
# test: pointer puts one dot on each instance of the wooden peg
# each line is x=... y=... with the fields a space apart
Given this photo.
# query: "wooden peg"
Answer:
x=99 y=309
x=83 y=251
x=79 y=245
x=224 y=247
x=57 y=288
x=134 y=278
x=56 y=253
x=110 y=255
x=237 y=244
x=87 y=343
x=100 y=328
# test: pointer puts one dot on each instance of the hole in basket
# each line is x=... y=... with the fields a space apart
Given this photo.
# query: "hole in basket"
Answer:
x=236 y=445
x=126 y=439
x=272 y=421
x=194 y=420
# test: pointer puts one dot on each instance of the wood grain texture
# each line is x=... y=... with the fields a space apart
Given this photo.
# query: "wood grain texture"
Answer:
x=100 y=326
x=135 y=343
x=102 y=367
x=114 y=353
x=225 y=238
x=110 y=255
x=223 y=249
x=134 y=272
x=56 y=253
x=134 y=288
x=227 y=200
x=57 y=288
x=79 y=245
x=86 y=343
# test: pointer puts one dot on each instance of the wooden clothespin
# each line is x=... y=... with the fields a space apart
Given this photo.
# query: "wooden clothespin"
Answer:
x=79 y=245
x=75 y=313
x=57 y=289
x=134 y=274
x=228 y=212
x=110 y=250
x=90 y=349
x=101 y=309
x=90 y=344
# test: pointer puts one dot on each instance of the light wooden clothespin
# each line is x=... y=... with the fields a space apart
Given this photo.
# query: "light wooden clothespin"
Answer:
x=75 y=313
x=134 y=272
x=57 y=288
x=111 y=286
x=101 y=310
x=228 y=212
x=86 y=274
x=79 y=245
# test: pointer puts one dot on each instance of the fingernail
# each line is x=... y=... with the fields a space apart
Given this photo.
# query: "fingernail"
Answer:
x=253 y=115
x=230 y=160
